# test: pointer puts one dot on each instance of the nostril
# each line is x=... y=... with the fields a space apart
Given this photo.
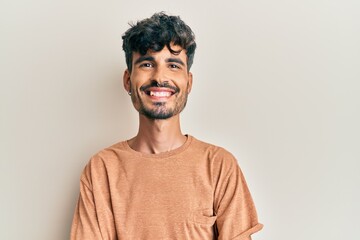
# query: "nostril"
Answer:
x=155 y=83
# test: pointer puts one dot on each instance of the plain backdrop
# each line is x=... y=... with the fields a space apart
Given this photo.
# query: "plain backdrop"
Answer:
x=275 y=82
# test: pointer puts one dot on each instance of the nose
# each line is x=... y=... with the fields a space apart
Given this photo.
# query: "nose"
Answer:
x=159 y=76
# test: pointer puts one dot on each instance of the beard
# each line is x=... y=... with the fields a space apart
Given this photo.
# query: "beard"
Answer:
x=159 y=110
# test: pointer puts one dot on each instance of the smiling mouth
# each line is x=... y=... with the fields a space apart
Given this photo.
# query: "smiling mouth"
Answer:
x=159 y=92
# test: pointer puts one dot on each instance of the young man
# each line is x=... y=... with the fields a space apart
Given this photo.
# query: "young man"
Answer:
x=162 y=184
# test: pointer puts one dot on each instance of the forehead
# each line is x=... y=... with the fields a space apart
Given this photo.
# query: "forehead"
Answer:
x=163 y=54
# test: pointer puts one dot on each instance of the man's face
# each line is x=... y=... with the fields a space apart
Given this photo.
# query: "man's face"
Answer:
x=159 y=83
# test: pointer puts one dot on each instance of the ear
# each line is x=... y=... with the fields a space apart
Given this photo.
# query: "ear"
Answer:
x=126 y=80
x=190 y=81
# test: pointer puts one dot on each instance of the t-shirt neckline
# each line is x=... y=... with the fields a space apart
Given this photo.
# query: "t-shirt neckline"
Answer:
x=162 y=154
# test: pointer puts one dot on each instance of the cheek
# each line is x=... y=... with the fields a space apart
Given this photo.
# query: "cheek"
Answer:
x=137 y=78
x=185 y=84
x=135 y=86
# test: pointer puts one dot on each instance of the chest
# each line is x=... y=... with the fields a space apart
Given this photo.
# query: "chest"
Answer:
x=169 y=191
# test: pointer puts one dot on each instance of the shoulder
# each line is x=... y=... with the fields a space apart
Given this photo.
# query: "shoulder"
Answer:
x=103 y=161
x=109 y=154
x=223 y=163
x=219 y=156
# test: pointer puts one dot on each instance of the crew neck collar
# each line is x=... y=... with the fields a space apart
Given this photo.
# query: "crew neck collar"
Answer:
x=170 y=153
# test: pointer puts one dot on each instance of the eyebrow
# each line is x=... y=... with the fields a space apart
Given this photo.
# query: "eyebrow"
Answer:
x=175 y=60
x=144 y=58
x=150 y=58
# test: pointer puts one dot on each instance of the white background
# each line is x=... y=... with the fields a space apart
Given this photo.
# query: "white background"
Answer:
x=275 y=82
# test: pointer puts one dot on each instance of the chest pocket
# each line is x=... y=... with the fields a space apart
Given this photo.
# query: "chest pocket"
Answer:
x=204 y=216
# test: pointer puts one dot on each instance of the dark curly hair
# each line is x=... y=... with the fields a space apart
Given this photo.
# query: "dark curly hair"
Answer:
x=156 y=32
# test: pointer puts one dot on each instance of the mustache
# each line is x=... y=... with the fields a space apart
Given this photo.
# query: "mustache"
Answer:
x=160 y=85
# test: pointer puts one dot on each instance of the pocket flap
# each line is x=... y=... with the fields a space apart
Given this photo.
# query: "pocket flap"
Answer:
x=204 y=216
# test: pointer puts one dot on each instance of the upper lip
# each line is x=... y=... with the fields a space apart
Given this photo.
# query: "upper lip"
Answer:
x=160 y=89
x=149 y=89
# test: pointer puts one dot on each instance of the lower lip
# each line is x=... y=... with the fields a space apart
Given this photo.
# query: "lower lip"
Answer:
x=159 y=98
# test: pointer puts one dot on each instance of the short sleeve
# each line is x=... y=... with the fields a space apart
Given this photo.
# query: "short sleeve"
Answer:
x=93 y=218
x=85 y=225
x=234 y=207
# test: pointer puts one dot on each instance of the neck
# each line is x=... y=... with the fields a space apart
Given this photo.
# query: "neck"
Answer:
x=156 y=136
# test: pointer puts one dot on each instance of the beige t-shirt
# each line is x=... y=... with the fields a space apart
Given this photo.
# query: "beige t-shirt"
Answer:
x=195 y=192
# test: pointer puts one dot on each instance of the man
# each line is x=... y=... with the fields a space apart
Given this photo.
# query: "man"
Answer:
x=162 y=184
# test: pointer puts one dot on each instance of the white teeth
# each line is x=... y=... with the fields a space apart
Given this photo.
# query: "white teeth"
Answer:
x=160 y=94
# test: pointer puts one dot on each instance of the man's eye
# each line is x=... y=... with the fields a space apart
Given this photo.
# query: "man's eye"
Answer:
x=174 y=66
x=146 y=65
